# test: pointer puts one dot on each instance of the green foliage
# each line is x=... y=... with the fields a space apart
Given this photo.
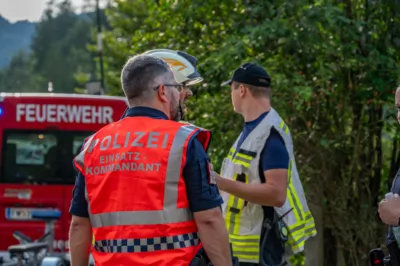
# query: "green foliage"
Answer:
x=334 y=66
x=62 y=53
x=59 y=53
x=19 y=75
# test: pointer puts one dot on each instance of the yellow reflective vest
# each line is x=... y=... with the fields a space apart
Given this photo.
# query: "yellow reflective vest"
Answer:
x=244 y=219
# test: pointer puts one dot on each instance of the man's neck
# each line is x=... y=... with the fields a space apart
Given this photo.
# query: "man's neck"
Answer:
x=154 y=106
x=255 y=109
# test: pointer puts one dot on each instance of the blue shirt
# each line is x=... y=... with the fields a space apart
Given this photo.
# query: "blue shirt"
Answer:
x=274 y=155
x=201 y=195
x=395 y=189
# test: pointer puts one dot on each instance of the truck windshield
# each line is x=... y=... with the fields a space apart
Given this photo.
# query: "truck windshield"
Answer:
x=40 y=157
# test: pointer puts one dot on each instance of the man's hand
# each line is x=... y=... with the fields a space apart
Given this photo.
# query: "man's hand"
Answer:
x=389 y=210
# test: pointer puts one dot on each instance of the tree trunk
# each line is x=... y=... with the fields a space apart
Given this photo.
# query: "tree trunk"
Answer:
x=340 y=261
x=314 y=247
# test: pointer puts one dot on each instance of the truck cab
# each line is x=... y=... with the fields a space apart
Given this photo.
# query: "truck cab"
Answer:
x=40 y=134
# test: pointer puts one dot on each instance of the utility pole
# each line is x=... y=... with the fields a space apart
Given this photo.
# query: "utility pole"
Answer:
x=100 y=46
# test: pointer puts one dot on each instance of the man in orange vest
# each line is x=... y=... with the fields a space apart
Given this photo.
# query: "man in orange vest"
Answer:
x=145 y=186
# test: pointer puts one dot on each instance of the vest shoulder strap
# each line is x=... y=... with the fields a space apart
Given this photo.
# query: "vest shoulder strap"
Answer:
x=203 y=135
x=78 y=160
x=257 y=138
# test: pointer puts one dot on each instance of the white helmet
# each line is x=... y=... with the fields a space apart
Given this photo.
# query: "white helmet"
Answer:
x=182 y=64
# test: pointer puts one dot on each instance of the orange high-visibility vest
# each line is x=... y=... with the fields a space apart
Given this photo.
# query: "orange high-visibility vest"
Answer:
x=136 y=194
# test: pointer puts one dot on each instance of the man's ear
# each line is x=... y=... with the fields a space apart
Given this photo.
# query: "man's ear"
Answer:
x=243 y=90
x=162 y=93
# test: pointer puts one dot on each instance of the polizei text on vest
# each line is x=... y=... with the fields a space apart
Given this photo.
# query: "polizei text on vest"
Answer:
x=126 y=161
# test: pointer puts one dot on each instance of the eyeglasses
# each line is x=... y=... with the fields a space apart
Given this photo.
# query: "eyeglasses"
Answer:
x=179 y=87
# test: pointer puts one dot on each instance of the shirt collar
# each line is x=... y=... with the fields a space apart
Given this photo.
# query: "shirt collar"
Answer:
x=257 y=120
x=145 y=111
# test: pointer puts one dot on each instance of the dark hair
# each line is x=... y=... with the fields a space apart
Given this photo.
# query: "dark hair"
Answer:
x=256 y=91
x=138 y=76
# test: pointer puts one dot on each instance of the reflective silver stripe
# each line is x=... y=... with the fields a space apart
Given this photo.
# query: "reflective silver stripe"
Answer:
x=309 y=230
x=298 y=241
x=141 y=217
x=297 y=228
x=296 y=205
x=81 y=156
x=170 y=213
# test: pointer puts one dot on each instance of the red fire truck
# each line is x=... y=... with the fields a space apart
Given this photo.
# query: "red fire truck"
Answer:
x=39 y=136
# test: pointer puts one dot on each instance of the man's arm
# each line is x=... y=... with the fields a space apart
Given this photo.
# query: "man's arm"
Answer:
x=205 y=202
x=80 y=235
x=80 y=231
x=274 y=162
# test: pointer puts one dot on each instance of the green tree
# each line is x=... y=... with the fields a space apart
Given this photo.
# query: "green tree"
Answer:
x=58 y=53
x=18 y=75
x=334 y=66
x=60 y=46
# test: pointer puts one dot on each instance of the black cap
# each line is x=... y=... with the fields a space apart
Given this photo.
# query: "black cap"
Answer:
x=251 y=74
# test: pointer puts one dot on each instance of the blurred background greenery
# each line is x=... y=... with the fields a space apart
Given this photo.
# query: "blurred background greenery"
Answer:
x=334 y=66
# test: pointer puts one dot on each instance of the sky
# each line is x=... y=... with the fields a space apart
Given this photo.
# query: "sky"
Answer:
x=14 y=10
